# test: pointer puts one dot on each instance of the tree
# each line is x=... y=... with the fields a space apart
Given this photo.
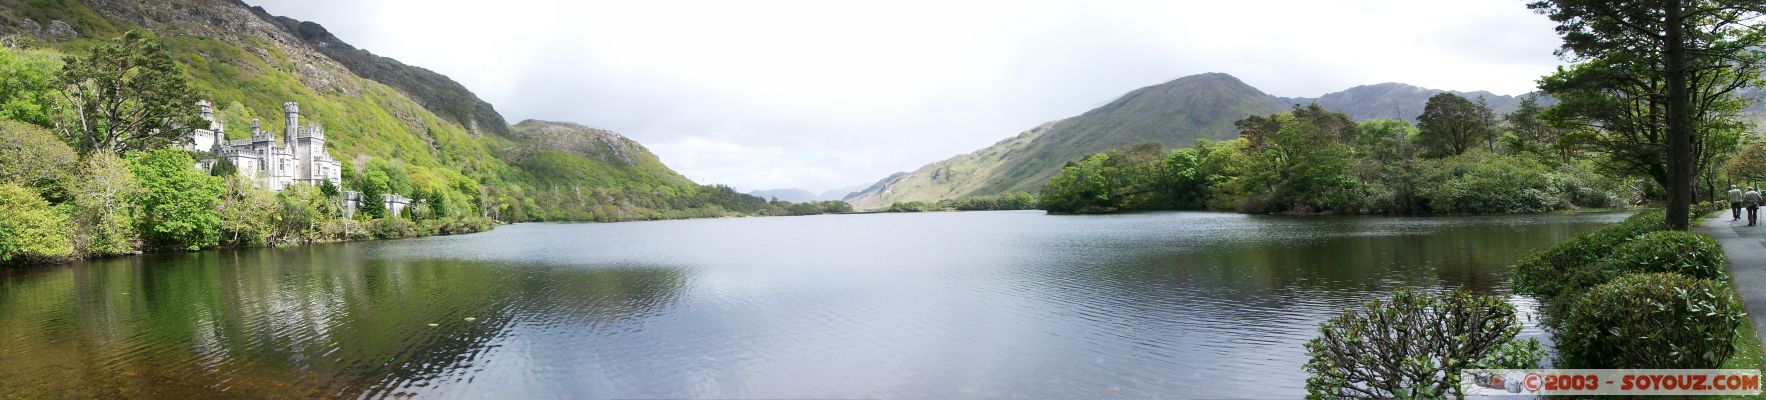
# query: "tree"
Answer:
x=127 y=95
x=248 y=214
x=223 y=168
x=373 y=186
x=33 y=157
x=103 y=195
x=27 y=86
x=1526 y=124
x=1672 y=62
x=1450 y=124
x=178 y=202
x=1414 y=345
x=1749 y=165
x=328 y=189
x=30 y=230
x=303 y=213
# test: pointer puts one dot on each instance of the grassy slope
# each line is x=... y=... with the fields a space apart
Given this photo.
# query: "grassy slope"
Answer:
x=572 y=154
x=1175 y=113
x=249 y=65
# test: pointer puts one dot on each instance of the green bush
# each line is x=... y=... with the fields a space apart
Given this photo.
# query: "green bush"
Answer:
x=34 y=157
x=1414 y=346
x=1544 y=273
x=178 y=202
x=1479 y=182
x=31 y=230
x=912 y=206
x=1655 y=320
x=1686 y=253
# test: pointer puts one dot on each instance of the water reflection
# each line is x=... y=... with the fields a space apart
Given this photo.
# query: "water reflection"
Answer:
x=319 y=321
x=995 y=304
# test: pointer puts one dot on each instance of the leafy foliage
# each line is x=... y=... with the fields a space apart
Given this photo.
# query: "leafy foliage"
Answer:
x=30 y=230
x=1685 y=253
x=178 y=202
x=1656 y=320
x=1749 y=165
x=1004 y=201
x=27 y=86
x=1451 y=125
x=1314 y=161
x=248 y=214
x=33 y=157
x=103 y=194
x=1414 y=346
x=1658 y=78
x=127 y=95
x=1544 y=273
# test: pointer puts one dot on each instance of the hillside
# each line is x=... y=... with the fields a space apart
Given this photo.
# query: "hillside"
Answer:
x=563 y=152
x=1397 y=101
x=436 y=92
x=422 y=130
x=1174 y=113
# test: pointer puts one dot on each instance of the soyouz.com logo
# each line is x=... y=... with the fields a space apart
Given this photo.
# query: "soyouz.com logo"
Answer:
x=1618 y=382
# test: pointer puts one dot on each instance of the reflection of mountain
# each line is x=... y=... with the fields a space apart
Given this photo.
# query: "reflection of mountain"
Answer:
x=321 y=321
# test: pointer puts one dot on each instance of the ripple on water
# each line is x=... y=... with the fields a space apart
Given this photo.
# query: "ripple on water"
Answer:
x=993 y=304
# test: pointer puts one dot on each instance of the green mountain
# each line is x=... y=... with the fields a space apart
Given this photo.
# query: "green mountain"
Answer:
x=568 y=153
x=1174 y=113
x=425 y=131
x=1399 y=101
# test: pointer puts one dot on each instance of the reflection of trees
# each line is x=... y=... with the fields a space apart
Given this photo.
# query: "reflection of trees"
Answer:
x=320 y=321
x=1244 y=300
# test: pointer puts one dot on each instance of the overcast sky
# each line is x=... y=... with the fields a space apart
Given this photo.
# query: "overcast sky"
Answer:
x=826 y=94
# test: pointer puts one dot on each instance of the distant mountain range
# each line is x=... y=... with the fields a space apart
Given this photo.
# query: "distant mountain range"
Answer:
x=796 y=195
x=1174 y=114
x=1398 y=101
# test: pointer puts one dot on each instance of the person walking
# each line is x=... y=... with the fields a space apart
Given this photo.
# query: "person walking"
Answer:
x=1752 y=197
x=1734 y=203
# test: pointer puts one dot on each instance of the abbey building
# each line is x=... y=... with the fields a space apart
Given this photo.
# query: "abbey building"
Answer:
x=301 y=158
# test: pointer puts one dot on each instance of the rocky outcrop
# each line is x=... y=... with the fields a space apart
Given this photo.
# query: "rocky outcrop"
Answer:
x=581 y=140
x=436 y=92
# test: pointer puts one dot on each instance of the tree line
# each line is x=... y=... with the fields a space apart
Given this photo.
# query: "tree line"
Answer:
x=1460 y=158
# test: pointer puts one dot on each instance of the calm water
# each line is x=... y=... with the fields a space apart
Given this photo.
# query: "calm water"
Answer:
x=937 y=305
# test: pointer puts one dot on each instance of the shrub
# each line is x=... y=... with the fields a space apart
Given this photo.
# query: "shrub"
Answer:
x=1414 y=346
x=1685 y=253
x=392 y=228
x=103 y=193
x=34 y=157
x=178 y=203
x=912 y=206
x=1655 y=320
x=1543 y=273
x=31 y=230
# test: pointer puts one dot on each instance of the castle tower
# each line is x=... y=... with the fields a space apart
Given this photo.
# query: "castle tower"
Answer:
x=292 y=111
x=208 y=112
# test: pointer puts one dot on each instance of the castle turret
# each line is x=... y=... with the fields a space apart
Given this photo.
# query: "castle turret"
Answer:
x=208 y=112
x=292 y=111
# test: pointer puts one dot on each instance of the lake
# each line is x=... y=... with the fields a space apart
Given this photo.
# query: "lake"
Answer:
x=935 y=305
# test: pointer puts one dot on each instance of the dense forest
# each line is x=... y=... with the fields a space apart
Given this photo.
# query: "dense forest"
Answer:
x=1460 y=158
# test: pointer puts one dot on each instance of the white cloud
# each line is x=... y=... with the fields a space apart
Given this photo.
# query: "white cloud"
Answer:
x=817 y=94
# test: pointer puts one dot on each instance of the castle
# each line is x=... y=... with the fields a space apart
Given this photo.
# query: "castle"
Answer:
x=300 y=159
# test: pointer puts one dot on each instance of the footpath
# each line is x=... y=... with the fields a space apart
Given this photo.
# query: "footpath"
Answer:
x=1745 y=246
